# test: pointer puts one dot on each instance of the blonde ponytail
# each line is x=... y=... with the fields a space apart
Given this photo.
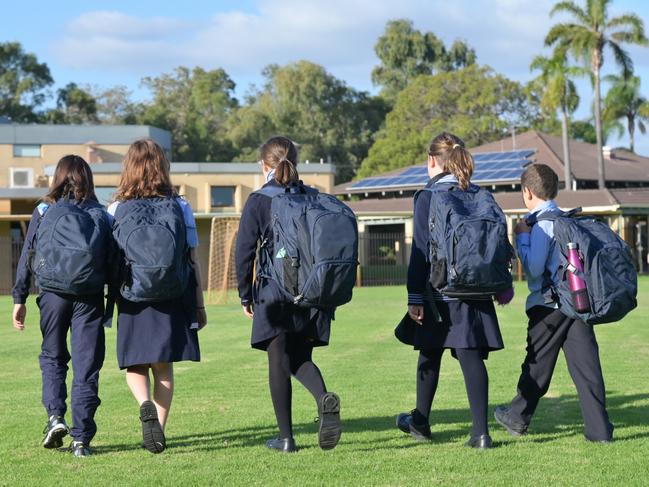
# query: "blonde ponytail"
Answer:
x=449 y=149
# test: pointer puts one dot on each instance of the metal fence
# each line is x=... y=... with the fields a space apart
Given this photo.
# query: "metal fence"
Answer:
x=9 y=254
x=384 y=259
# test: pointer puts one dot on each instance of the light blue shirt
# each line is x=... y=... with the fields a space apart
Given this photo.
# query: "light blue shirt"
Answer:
x=540 y=257
x=188 y=215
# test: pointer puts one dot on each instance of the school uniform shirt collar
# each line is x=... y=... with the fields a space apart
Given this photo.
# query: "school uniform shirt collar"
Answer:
x=445 y=177
x=544 y=207
x=270 y=176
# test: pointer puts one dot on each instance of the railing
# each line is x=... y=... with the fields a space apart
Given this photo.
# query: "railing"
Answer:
x=383 y=258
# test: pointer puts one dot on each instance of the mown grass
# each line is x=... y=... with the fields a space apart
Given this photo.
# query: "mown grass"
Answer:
x=222 y=412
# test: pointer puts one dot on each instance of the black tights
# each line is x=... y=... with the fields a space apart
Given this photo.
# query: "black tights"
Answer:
x=475 y=379
x=290 y=354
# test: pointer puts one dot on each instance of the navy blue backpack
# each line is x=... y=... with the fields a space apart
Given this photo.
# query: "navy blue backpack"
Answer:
x=315 y=247
x=469 y=250
x=609 y=272
x=71 y=248
x=151 y=235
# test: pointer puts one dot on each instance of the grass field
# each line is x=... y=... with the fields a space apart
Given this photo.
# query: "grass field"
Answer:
x=222 y=412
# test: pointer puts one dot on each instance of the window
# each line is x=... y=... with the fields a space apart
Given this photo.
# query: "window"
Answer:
x=105 y=194
x=222 y=196
x=21 y=177
x=27 y=150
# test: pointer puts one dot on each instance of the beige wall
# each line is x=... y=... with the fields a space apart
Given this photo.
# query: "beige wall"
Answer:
x=196 y=187
x=50 y=154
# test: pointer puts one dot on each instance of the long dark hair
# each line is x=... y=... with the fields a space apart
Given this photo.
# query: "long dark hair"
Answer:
x=72 y=176
x=280 y=154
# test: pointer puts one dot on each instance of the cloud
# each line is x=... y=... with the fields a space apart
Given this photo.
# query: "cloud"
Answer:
x=339 y=34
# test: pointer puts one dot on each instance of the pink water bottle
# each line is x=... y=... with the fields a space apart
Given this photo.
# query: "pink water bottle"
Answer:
x=577 y=285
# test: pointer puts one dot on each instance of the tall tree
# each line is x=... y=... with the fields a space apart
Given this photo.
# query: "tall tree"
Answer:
x=591 y=31
x=114 y=105
x=74 y=105
x=194 y=106
x=474 y=103
x=406 y=53
x=559 y=93
x=23 y=83
x=624 y=101
x=328 y=119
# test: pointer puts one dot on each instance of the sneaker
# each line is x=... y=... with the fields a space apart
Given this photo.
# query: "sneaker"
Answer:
x=504 y=418
x=54 y=431
x=330 y=428
x=152 y=435
x=80 y=449
x=420 y=432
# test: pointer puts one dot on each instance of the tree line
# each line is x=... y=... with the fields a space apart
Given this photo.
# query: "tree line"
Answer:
x=425 y=86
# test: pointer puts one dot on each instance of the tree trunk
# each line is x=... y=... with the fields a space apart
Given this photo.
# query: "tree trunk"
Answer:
x=631 y=123
x=598 y=119
x=566 y=148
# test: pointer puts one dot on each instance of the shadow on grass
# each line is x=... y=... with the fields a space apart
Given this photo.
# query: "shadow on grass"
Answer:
x=556 y=417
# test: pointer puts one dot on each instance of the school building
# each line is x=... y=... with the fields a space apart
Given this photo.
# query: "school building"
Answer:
x=383 y=203
x=28 y=157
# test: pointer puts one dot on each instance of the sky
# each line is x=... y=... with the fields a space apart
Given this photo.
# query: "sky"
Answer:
x=119 y=42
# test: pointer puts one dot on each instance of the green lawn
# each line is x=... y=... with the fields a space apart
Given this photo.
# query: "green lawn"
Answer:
x=222 y=412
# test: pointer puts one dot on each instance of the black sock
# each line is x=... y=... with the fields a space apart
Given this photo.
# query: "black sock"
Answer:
x=279 y=379
x=428 y=367
x=477 y=387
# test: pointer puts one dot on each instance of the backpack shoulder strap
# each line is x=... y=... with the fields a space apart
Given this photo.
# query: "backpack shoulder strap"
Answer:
x=271 y=191
x=552 y=215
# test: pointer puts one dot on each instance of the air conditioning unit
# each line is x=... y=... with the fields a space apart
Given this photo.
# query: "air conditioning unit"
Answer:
x=21 y=177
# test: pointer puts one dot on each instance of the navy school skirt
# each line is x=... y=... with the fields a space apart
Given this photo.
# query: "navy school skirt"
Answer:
x=464 y=324
x=155 y=332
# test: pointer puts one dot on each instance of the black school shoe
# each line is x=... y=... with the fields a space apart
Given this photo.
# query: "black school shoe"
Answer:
x=420 y=432
x=481 y=442
x=504 y=418
x=152 y=435
x=80 y=449
x=54 y=431
x=330 y=428
x=284 y=445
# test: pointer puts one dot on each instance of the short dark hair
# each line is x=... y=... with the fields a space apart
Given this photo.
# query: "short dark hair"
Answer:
x=71 y=176
x=541 y=180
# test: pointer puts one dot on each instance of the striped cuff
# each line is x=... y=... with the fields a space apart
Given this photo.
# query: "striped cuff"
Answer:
x=415 y=298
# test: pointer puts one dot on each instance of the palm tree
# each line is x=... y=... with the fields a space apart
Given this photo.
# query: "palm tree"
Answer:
x=586 y=37
x=624 y=101
x=559 y=93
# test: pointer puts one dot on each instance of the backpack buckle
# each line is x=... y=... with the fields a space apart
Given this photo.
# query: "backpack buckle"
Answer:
x=298 y=298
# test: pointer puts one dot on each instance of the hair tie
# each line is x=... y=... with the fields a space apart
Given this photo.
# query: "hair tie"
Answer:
x=456 y=145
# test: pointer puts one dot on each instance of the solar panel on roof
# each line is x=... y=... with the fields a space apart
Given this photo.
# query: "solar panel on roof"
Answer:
x=412 y=171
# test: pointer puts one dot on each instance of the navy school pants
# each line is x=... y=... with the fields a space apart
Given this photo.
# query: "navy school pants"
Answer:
x=549 y=331
x=83 y=316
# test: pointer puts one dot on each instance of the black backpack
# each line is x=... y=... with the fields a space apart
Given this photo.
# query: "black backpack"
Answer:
x=611 y=278
x=151 y=235
x=469 y=250
x=315 y=247
x=71 y=248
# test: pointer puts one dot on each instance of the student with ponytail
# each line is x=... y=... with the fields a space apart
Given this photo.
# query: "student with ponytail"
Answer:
x=436 y=321
x=287 y=333
x=66 y=249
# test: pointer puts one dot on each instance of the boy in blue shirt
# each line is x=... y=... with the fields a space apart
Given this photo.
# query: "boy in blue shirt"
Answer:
x=549 y=330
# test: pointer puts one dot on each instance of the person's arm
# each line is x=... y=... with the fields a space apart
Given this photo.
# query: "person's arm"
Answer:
x=533 y=248
x=419 y=267
x=192 y=242
x=201 y=314
x=20 y=291
x=246 y=249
